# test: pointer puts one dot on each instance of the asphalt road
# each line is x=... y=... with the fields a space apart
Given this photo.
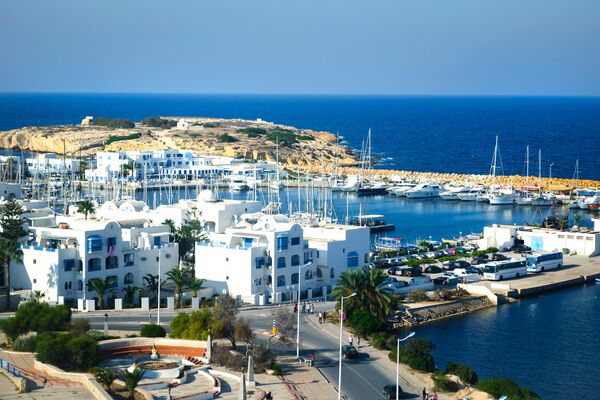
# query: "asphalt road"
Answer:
x=362 y=378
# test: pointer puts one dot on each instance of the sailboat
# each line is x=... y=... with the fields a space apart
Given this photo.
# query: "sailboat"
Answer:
x=276 y=185
x=502 y=196
x=365 y=186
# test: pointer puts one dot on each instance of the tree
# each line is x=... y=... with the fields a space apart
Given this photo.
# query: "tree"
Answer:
x=172 y=229
x=195 y=285
x=417 y=354
x=10 y=251
x=130 y=292
x=464 y=372
x=79 y=327
x=180 y=278
x=152 y=330
x=195 y=326
x=83 y=352
x=505 y=387
x=102 y=287
x=224 y=314
x=576 y=218
x=190 y=232
x=38 y=295
x=364 y=323
x=11 y=219
x=243 y=332
x=86 y=207
x=152 y=283
x=366 y=284
x=131 y=379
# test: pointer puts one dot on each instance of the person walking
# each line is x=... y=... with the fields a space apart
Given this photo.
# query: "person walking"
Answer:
x=350 y=340
x=424 y=394
x=435 y=396
x=320 y=318
x=303 y=308
x=358 y=341
x=295 y=307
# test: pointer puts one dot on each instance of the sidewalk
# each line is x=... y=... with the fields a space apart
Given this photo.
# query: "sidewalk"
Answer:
x=303 y=382
x=410 y=380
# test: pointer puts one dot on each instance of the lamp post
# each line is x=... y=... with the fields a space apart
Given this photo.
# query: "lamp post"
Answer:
x=398 y=362
x=159 y=285
x=298 y=312
x=550 y=174
x=342 y=317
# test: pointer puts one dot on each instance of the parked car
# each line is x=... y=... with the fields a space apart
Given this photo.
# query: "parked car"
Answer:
x=478 y=261
x=498 y=257
x=389 y=392
x=411 y=271
x=432 y=269
x=431 y=254
x=470 y=247
x=473 y=270
x=446 y=279
x=392 y=271
x=349 y=351
x=451 y=265
x=520 y=248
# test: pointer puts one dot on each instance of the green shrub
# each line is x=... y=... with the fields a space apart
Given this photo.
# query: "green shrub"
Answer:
x=503 y=386
x=363 y=322
x=193 y=326
x=52 y=348
x=442 y=294
x=83 y=351
x=25 y=344
x=11 y=328
x=152 y=330
x=38 y=317
x=379 y=340
x=417 y=354
x=464 y=372
x=105 y=376
x=226 y=138
x=417 y=296
x=252 y=132
x=158 y=122
x=211 y=125
x=113 y=122
x=441 y=383
x=79 y=327
x=276 y=368
x=112 y=139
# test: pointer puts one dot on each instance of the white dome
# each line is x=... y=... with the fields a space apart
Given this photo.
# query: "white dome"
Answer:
x=207 y=195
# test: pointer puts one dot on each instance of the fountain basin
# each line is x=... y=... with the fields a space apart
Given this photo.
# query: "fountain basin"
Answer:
x=162 y=368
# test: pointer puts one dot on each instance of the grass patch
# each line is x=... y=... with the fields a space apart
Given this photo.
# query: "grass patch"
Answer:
x=113 y=122
x=112 y=139
x=226 y=138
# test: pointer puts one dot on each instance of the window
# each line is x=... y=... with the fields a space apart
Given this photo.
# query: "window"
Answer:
x=259 y=262
x=281 y=280
x=94 y=243
x=295 y=278
x=282 y=242
x=79 y=265
x=295 y=260
x=157 y=240
x=308 y=275
x=69 y=265
x=66 y=285
x=112 y=262
x=352 y=259
x=94 y=264
x=332 y=273
x=281 y=262
x=247 y=243
x=128 y=280
x=269 y=281
x=128 y=260
x=295 y=241
x=79 y=285
x=307 y=257
x=111 y=242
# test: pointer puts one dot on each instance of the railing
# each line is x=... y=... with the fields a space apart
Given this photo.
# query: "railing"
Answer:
x=11 y=369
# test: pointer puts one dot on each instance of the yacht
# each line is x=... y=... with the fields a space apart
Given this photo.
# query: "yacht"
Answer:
x=424 y=191
x=238 y=184
x=503 y=197
x=453 y=193
x=471 y=195
x=401 y=189
x=351 y=184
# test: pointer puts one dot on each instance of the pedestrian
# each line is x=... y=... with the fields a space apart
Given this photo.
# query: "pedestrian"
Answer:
x=321 y=318
x=358 y=341
x=312 y=308
x=424 y=394
x=303 y=308
x=324 y=316
x=435 y=396
x=350 y=340
x=313 y=359
x=295 y=307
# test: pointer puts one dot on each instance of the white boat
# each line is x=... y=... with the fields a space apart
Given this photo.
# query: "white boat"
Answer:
x=424 y=191
x=471 y=195
x=400 y=190
x=503 y=197
x=483 y=197
x=238 y=184
x=276 y=185
x=351 y=185
x=454 y=193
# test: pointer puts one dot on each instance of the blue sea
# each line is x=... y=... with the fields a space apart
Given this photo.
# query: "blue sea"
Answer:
x=549 y=343
x=439 y=134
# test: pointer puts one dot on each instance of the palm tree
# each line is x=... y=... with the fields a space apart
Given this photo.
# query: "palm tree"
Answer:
x=10 y=251
x=38 y=295
x=102 y=287
x=195 y=284
x=131 y=379
x=576 y=219
x=172 y=229
x=152 y=283
x=130 y=292
x=86 y=207
x=180 y=279
x=366 y=284
x=105 y=376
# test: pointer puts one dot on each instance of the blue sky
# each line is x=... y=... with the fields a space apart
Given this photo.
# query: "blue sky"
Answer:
x=532 y=47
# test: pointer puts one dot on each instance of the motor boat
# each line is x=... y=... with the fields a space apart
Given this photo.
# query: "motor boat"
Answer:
x=351 y=184
x=503 y=197
x=238 y=184
x=400 y=190
x=424 y=191
x=471 y=195
x=453 y=193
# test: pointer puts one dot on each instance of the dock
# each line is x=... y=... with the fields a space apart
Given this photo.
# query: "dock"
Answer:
x=577 y=270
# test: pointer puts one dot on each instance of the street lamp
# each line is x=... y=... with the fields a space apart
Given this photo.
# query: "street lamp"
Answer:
x=550 y=174
x=398 y=362
x=342 y=317
x=298 y=311
x=159 y=285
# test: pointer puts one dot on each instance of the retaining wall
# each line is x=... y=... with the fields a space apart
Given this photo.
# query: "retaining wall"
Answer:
x=85 y=380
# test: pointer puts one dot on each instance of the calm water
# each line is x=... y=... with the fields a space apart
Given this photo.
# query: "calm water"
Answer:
x=414 y=133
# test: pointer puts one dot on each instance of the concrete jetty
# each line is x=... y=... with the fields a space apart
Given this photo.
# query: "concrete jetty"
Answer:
x=576 y=271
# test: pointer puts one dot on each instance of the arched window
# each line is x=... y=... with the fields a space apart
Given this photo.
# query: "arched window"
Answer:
x=128 y=280
x=79 y=285
x=111 y=262
x=281 y=280
x=269 y=281
x=352 y=259
x=319 y=273
x=66 y=285
x=295 y=278
x=295 y=260
x=308 y=275
x=94 y=264
x=115 y=282
x=281 y=262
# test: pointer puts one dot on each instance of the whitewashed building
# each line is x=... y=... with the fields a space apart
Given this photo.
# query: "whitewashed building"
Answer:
x=62 y=258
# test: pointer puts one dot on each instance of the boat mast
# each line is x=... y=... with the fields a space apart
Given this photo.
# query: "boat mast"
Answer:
x=527 y=164
x=494 y=159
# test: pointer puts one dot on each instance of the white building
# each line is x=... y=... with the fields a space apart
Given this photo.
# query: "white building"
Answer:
x=50 y=163
x=62 y=258
x=258 y=260
x=580 y=241
x=183 y=125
